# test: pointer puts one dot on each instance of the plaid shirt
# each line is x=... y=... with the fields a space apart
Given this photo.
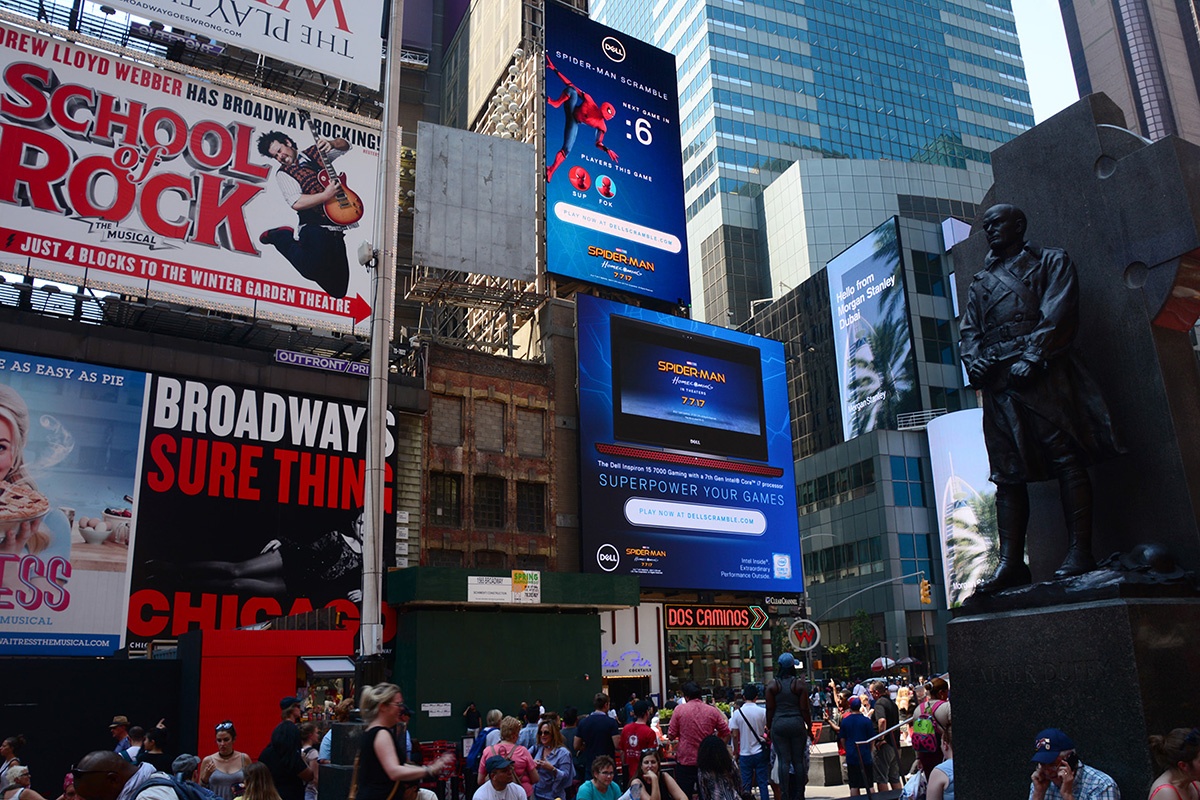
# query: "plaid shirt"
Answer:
x=1090 y=784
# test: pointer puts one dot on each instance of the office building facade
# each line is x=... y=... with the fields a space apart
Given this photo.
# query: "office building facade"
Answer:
x=765 y=83
x=1145 y=55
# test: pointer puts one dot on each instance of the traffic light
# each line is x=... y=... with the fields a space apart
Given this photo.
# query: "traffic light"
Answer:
x=925 y=598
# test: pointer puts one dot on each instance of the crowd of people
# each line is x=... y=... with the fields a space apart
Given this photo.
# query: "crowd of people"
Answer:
x=765 y=743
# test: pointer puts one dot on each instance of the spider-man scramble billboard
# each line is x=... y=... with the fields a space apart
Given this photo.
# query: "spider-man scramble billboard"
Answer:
x=614 y=171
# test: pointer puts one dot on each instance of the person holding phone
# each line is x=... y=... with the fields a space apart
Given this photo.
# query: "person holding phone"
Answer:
x=1058 y=772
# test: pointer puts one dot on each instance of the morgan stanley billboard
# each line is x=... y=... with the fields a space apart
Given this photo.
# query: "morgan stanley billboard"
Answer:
x=877 y=371
x=686 y=459
x=334 y=37
x=128 y=178
x=614 y=171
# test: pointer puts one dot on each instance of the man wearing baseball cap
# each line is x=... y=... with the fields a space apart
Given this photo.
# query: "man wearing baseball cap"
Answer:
x=1058 y=772
x=501 y=783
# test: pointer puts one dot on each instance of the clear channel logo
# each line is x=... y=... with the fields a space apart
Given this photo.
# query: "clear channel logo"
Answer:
x=613 y=48
x=607 y=557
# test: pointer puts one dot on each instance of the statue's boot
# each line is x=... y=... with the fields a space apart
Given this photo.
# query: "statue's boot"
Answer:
x=1012 y=520
x=1076 y=490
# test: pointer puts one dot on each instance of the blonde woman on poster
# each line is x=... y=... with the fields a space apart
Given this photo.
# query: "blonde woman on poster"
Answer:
x=28 y=525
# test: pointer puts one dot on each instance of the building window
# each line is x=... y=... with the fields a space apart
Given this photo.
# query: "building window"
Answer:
x=531 y=432
x=915 y=556
x=491 y=559
x=927 y=272
x=842 y=561
x=907 y=487
x=489 y=502
x=445 y=499
x=441 y=557
x=489 y=426
x=532 y=562
x=938 y=341
x=531 y=507
x=848 y=483
x=445 y=414
x=945 y=397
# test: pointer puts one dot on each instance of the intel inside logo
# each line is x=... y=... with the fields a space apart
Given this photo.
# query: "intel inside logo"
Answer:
x=607 y=557
x=613 y=49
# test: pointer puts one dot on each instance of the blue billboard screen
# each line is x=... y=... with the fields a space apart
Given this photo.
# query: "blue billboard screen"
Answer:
x=686 y=453
x=614 y=169
x=877 y=369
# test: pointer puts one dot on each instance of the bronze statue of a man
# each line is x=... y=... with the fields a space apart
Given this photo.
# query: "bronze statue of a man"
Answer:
x=1043 y=415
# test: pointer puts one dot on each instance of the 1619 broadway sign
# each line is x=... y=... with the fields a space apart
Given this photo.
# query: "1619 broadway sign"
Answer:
x=336 y=37
x=139 y=180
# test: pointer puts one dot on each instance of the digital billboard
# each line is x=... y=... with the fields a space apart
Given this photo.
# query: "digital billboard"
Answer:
x=966 y=502
x=124 y=177
x=614 y=171
x=685 y=453
x=872 y=335
x=135 y=507
x=69 y=436
x=336 y=37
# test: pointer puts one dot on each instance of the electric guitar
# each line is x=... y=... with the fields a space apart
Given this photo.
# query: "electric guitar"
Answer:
x=346 y=207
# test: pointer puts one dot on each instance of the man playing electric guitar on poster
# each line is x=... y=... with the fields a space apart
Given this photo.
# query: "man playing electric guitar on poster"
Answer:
x=325 y=206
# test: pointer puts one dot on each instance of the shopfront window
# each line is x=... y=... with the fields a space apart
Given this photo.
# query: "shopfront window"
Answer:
x=720 y=661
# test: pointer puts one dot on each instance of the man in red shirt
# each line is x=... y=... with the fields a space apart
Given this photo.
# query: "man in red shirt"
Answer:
x=636 y=737
x=690 y=724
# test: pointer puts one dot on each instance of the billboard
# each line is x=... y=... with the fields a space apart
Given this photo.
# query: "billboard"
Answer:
x=335 y=37
x=68 y=467
x=966 y=502
x=872 y=336
x=249 y=507
x=136 y=507
x=133 y=179
x=476 y=203
x=686 y=454
x=614 y=175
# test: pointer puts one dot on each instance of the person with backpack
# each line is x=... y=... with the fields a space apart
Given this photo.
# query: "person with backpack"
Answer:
x=475 y=754
x=931 y=721
x=106 y=775
x=789 y=727
x=748 y=723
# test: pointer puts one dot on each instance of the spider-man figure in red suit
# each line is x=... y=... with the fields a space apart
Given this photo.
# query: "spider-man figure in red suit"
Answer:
x=579 y=107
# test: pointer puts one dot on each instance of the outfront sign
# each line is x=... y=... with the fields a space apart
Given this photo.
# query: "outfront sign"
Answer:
x=134 y=179
x=614 y=171
x=336 y=37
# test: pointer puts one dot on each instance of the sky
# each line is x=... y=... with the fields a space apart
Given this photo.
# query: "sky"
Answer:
x=1047 y=62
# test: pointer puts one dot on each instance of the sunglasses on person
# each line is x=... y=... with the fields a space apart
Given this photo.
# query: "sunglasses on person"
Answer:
x=76 y=773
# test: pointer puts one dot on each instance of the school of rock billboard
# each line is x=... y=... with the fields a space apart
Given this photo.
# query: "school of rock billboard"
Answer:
x=614 y=172
x=128 y=178
x=335 y=37
x=686 y=458
x=171 y=504
x=877 y=369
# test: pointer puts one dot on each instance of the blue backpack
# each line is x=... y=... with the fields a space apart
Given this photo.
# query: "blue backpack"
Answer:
x=477 y=750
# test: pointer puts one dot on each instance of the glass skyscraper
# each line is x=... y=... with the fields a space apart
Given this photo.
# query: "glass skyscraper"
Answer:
x=764 y=83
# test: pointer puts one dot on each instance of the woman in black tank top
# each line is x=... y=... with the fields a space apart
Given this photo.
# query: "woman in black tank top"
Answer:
x=789 y=722
x=379 y=767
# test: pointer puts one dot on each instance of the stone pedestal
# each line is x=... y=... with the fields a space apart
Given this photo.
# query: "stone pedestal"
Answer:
x=1109 y=673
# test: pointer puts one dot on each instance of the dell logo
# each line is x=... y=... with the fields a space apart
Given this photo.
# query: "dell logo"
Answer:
x=613 y=49
x=694 y=441
x=607 y=557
